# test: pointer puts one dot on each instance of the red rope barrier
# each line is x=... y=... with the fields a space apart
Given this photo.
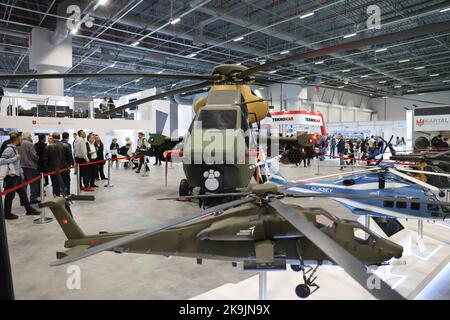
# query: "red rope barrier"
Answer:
x=25 y=183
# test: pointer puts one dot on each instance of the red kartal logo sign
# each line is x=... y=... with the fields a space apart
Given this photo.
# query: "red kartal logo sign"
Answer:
x=420 y=122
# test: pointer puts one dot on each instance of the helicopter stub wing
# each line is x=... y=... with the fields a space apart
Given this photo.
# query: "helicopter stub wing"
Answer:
x=355 y=268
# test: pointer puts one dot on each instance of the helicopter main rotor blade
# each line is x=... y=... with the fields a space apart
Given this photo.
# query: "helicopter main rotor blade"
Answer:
x=197 y=77
x=342 y=174
x=148 y=232
x=355 y=268
x=414 y=180
x=431 y=173
x=385 y=38
x=155 y=97
x=203 y=196
x=300 y=194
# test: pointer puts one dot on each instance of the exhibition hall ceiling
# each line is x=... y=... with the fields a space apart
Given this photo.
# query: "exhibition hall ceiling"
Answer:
x=193 y=36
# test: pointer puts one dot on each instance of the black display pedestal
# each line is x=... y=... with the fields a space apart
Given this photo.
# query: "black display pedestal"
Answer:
x=6 y=282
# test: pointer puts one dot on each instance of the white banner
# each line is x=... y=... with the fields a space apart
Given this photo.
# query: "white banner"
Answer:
x=296 y=118
x=439 y=122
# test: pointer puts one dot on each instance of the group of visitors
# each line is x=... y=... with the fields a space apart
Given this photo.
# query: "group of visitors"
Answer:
x=88 y=149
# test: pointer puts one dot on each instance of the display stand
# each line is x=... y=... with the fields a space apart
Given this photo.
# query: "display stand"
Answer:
x=263 y=285
x=6 y=281
x=318 y=167
x=108 y=184
x=42 y=219
x=420 y=242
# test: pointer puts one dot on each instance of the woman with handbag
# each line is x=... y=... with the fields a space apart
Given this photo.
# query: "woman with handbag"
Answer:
x=11 y=172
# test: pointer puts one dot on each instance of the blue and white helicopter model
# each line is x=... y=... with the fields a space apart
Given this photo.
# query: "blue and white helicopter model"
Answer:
x=381 y=192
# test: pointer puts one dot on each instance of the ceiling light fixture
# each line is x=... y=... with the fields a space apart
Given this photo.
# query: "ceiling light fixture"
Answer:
x=365 y=76
x=411 y=90
x=102 y=2
x=383 y=81
x=403 y=61
x=273 y=71
x=192 y=55
x=238 y=39
x=319 y=62
x=381 y=50
x=301 y=78
x=307 y=15
x=435 y=75
x=419 y=68
x=159 y=72
x=341 y=87
x=136 y=43
x=285 y=52
x=175 y=21
x=397 y=87
x=446 y=81
x=74 y=31
x=445 y=10
x=347 y=70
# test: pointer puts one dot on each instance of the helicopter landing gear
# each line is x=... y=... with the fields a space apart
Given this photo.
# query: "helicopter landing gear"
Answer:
x=296 y=267
x=185 y=189
x=304 y=290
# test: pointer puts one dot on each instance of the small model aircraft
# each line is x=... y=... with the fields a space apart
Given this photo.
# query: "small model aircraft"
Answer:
x=258 y=230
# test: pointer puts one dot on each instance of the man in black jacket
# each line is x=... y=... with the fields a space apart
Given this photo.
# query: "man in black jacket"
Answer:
x=66 y=174
x=40 y=146
x=341 y=151
x=56 y=157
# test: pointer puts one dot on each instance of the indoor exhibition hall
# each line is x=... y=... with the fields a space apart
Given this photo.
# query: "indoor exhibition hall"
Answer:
x=224 y=150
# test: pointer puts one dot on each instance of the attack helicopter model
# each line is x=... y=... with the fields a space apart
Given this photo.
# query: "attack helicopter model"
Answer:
x=231 y=106
x=258 y=230
x=431 y=167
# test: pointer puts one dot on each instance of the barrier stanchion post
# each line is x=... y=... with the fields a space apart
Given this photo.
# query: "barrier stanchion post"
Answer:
x=108 y=184
x=6 y=281
x=318 y=167
x=42 y=219
x=78 y=179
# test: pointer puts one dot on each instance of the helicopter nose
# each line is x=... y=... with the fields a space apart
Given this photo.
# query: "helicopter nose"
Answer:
x=395 y=250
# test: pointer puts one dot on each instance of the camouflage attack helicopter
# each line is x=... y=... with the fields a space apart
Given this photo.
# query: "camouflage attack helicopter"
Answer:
x=258 y=230
x=231 y=105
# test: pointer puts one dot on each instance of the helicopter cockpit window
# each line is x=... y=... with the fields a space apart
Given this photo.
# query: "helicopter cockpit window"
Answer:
x=348 y=182
x=361 y=236
x=218 y=119
x=323 y=221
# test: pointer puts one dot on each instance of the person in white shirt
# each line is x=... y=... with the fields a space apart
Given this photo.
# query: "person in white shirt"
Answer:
x=81 y=156
x=92 y=171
